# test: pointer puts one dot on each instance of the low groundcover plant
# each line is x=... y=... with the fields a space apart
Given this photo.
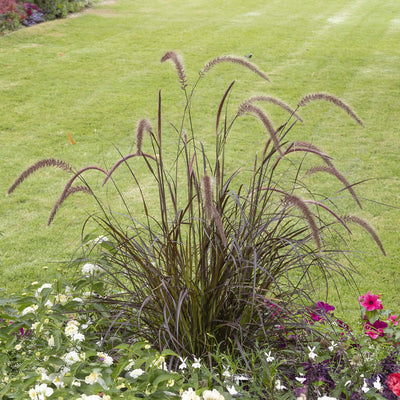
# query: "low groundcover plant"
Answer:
x=223 y=271
x=52 y=346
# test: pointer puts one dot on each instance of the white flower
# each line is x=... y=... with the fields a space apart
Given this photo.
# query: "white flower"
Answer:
x=71 y=357
x=51 y=341
x=78 y=337
x=332 y=346
x=300 y=378
x=130 y=365
x=98 y=240
x=183 y=363
x=30 y=309
x=232 y=391
x=377 y=384
x=77 y=299
x=90 y=269
x=365 y=387
x=91 y=397
x=62 y=298
x=58 y=381
x=35 y=325
x=212 y=395
x=40 y=392
x=44 y=286
x=301 y=397
x=311 y=354
x=101 y=239
x=196 y=363
x=190 y=394
x=68 y=290
x=48 y=304
x=327 y=398
x=239 y=378
x=76 y=383
x=279 y=386
x=269 y=357
x=92 y=378
x=43 y=372
x=105 y=359
x=18 y=347
x=170 y=383
x=136 y=373
x=71 y=330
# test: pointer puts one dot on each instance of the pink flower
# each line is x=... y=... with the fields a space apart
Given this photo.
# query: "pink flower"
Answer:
x=370 y=301
x=393 y=382
x=372 y=334
x=392 y=318
x=376 y=329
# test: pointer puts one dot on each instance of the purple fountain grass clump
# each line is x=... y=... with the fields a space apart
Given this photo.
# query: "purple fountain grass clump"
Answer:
x=222 y=259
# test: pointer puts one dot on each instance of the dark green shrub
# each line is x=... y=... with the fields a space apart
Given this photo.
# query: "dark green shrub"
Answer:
x=232 y=257
x=61 y=8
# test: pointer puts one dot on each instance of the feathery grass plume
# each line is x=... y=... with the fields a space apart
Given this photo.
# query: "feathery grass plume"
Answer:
x=177 y=60
x=208 y=196
x=333 y=171
x=276 y=101
x=367 y=227
x=220 y=227
x=333 y=99
x=66 y=192
x=49 y=162
x=142 y=126
x=302 y=206
x=305 y=147
x=250 y=108
x=235 y=60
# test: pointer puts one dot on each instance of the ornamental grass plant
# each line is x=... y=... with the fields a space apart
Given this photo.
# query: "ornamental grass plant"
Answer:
x=229 y=258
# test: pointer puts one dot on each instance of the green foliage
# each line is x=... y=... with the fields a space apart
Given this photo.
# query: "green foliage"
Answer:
x=61 y=8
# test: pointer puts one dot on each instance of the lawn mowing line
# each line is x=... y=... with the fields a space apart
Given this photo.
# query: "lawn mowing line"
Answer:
x=339 y=17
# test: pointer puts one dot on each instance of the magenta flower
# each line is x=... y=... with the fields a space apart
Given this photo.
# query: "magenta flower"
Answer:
x=325 y=307
x=372 y=334
x=376 y=329
x=370 y=301
x=392 y=318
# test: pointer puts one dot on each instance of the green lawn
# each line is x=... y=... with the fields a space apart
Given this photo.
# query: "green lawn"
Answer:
x=96 y=74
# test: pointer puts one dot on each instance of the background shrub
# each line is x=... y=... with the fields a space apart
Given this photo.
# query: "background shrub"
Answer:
x=11 y=15
x=61 y=8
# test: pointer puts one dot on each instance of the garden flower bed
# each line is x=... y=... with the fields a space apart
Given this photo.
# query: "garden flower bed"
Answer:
x=55 y=344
